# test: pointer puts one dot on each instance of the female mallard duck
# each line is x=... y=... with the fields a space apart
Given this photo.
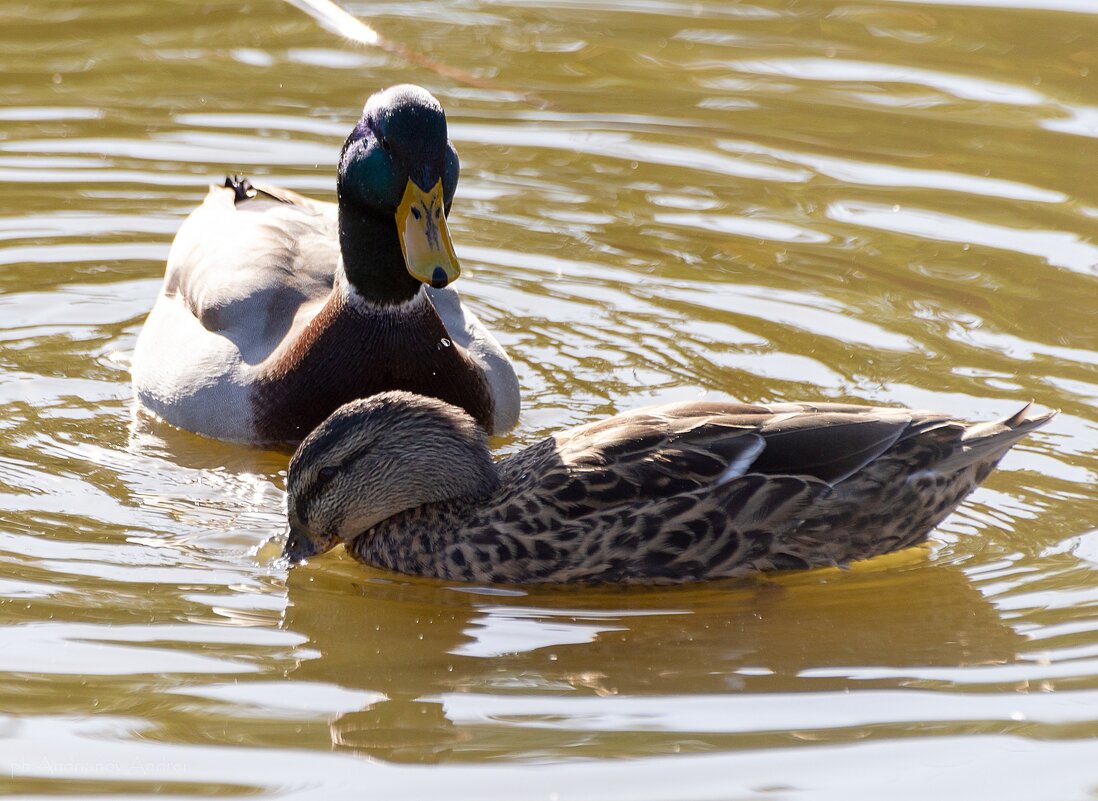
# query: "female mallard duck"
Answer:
x=276 y=309
x=675 y=493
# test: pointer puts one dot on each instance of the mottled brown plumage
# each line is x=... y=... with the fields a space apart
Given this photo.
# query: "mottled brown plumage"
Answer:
x=667 y=494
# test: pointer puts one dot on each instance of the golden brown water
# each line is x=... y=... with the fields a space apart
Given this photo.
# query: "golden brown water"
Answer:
x=878 y=201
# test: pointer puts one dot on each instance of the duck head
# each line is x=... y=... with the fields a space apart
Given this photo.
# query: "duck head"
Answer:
x=376 y=457
x=397 y=176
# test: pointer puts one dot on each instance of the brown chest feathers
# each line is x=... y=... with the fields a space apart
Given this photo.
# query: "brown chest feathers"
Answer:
x=345 y=353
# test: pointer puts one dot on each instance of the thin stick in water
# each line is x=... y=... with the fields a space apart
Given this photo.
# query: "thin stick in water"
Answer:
x=338 y=21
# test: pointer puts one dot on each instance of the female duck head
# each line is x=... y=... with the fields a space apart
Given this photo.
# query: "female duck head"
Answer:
x=376 y=457
x=397 y=177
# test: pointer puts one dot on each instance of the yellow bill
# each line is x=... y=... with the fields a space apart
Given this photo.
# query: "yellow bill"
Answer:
x=424 y=238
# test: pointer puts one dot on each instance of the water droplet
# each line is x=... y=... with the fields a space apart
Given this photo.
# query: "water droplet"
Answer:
x=445 y=342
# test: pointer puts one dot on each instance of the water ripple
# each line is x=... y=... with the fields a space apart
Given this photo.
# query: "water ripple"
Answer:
x=878 y=203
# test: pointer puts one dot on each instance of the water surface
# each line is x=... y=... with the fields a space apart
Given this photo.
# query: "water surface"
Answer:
x=882 y=201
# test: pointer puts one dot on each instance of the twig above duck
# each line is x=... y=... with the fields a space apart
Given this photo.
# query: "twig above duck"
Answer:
x=276 y=309
x=667 y=494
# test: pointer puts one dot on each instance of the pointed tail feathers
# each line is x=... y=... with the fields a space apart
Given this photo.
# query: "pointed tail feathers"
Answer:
x=987 y=442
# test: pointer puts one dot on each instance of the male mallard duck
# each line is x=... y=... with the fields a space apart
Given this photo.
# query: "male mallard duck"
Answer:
x=675 y=493
x=276 y=308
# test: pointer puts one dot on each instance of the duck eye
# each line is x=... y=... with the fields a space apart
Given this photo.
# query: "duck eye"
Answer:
x=326 y=474
x=385 y=144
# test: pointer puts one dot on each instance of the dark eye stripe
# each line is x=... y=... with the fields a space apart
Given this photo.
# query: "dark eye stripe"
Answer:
x=304 y=499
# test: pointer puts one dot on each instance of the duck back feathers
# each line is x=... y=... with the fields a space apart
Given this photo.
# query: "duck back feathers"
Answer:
x=702 y=491
x=256 y=337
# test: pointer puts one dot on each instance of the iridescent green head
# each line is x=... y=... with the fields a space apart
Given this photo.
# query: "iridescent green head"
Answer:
x=399 y=165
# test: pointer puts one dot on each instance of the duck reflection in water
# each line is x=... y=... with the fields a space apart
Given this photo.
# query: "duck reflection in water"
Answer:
x=471 y=674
